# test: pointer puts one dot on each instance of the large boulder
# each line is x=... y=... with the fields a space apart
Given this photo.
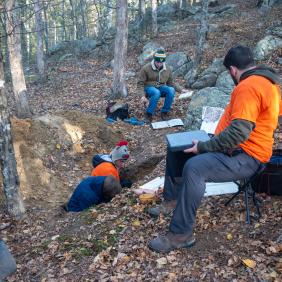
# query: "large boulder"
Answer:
x=167 y=26
x=266 y=46
x=228 y=9
x=275 y=31
x=179 y=62
x=210 y=96
x=225 y=83
x=75 y=47
x=190 y=11
x=209 y=76
x=166 y=10
x=148 y=51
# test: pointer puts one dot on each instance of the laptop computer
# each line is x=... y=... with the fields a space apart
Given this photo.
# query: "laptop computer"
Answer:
x=183 y=140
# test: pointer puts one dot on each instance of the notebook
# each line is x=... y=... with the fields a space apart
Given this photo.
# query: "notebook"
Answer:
x=183 y=140
x=167 y=123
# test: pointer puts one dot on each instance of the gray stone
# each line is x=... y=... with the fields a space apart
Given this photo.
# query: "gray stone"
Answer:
x=191 y=11
x=148 y=51
x=225 y=83
x=266 y=46
x=210 y=96
x=179 y=62
x=166 y=10
x=8 y=263
x=206 y=80
x=77 y=47
x=213 y=3
x=275 y=31
x=225 y=10
x=167 y=26
x=213 y=28
x=208 y=77
x=279 y=61
x=129 y=74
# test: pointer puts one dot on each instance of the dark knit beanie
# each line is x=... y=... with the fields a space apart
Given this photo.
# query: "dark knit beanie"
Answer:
x=160 y=56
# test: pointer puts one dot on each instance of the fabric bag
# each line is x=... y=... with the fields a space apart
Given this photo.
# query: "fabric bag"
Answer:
x=270 y=181
x=115 y=111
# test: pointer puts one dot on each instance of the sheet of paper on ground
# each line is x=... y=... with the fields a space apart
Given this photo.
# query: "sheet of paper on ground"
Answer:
x=167 y=123
x=152 y=186
x=186 y=95
x=210 y=117
x=212 y=189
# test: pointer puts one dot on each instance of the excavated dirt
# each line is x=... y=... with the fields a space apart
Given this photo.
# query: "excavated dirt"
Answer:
x=46 y=147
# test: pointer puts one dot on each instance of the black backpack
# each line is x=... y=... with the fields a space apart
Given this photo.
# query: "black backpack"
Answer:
x=270 y=180
x=115 y=111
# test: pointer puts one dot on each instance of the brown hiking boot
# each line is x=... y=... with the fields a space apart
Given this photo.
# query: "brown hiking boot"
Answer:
x=166 y=208
x=171 y=241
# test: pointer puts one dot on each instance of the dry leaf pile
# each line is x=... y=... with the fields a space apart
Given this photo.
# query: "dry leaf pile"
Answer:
x=109 y=241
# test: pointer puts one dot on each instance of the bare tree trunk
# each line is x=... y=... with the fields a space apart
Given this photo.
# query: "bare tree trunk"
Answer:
x=191 y=2
x=8 y=163
x=46 y=31
x=180 y=4
x=154 y=18
x=82 y=14
x=4 y=40
x=24 y=35
x=142 y=14
x=63 y=21
x=119 y=88
x=202 y=33
x=110 y=14
x=39 y=34
x=265 y=5
x=15 y=56
x=74 y=19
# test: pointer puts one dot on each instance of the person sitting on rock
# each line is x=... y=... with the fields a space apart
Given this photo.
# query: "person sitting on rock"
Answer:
x=93 y=190
x=111 y=164
x=156 y=80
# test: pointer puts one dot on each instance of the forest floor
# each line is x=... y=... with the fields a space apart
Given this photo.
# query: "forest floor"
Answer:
x=109 y=242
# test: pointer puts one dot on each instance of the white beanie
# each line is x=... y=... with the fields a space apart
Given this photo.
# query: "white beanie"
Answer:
x=120 y=152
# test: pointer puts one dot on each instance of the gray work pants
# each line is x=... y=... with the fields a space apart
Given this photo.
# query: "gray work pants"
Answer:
x=189 y=190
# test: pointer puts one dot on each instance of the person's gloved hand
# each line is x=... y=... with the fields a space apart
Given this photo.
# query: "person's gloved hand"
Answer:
x=126 y=183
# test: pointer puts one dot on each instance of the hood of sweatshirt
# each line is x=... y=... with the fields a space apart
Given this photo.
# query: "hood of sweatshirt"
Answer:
x=264 y=71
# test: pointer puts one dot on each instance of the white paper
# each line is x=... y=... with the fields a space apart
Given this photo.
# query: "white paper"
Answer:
x=167 y=123
x=186 y=95
x=213 y=189
x=211 y=117
x=2 y=82
x=152 y=186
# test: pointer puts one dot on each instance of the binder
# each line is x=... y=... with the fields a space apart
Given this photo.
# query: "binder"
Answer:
x=183 y=140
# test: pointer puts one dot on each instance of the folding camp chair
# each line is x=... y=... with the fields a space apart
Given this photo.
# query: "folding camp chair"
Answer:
x=244 y=186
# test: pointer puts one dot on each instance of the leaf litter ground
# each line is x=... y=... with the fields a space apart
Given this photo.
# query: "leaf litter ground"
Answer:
x=109 y=242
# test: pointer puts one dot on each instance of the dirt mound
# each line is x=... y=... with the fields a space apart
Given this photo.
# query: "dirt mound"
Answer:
x=54 y=151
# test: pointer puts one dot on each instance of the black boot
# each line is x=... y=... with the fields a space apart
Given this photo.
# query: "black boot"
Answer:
x=148 y=117
x=164 y=116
